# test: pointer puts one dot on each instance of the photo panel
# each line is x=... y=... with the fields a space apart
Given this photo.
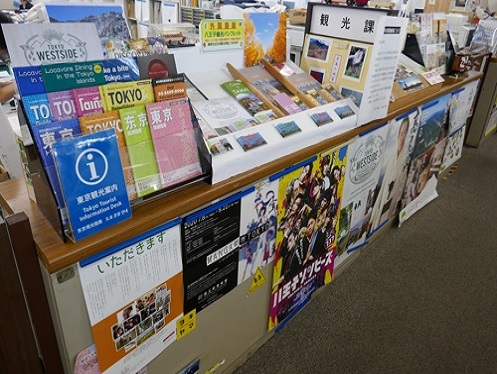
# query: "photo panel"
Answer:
x=356 y=96
x=355 y=62
x=318 y=49
x=318 y=74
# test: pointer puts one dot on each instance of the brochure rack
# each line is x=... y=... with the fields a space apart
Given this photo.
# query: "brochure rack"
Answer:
x=180 y=166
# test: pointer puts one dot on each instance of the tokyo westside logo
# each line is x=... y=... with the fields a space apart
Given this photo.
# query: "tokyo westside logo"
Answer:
x=366 y=159
x=54 y=46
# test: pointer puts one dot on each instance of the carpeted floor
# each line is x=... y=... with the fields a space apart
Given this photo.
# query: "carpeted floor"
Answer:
x=419 y=299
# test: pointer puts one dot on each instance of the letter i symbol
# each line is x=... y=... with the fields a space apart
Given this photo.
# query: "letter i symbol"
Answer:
x=91 y=166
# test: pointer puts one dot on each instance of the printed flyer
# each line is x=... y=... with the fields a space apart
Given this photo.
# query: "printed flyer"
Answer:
x=134 y=296
x=211 y=238
x=258 y=229
x=309 y=196
x=453 y=148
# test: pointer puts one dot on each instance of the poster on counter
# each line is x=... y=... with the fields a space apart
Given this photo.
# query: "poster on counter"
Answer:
x=453 y=148
x=109 y=17
x=134 y=296
x=461 y=101
x=211 y=239
x=427 y=157
x=433 y=125
x=258 y=229
x=309 y=196
x=402 y=134
x=422 y=180
x=365 y=159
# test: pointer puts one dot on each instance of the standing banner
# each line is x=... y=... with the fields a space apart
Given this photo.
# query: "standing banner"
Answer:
x=134 y=296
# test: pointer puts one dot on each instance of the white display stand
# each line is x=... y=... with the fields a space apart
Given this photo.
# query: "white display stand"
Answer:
x=356 y=49
x=238 y=161
x=212 y=72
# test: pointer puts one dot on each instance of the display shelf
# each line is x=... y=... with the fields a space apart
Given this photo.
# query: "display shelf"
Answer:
x=196 y=15
x=55 y=254
x=484 y=123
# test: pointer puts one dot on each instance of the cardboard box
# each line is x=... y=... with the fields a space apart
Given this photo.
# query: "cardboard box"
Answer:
x=3 y=174
x=297 y=16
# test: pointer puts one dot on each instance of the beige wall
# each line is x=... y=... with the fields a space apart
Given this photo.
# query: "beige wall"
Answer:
x=6 y=4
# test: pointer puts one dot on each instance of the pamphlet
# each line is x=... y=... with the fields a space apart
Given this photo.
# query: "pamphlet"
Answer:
x=251 y=141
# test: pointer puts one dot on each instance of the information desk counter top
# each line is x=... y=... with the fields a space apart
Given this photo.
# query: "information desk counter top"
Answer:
x=55 y=254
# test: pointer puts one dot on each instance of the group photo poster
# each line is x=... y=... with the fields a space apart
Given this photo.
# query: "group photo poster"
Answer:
x=257 y=229
x=365 y=157
x=309 y=197
x=134 y=296
x=401 y=138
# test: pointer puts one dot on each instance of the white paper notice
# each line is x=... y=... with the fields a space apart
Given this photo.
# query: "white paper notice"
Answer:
x=134 y=296
x=388 y=45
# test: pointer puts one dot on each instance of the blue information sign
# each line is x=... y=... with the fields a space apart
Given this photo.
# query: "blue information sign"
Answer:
x=92 y=181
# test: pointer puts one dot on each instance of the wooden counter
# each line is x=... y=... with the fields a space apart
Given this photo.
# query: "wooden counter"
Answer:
x=55 y=254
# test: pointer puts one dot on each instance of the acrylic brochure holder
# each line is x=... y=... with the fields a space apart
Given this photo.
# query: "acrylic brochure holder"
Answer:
x=159 y=145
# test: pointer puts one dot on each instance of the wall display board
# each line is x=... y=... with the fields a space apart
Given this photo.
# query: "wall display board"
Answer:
x=427 y=158
x=133 y=294
x=309 y=198
x=357 y=50
x=365 y=158
x=402 y=135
